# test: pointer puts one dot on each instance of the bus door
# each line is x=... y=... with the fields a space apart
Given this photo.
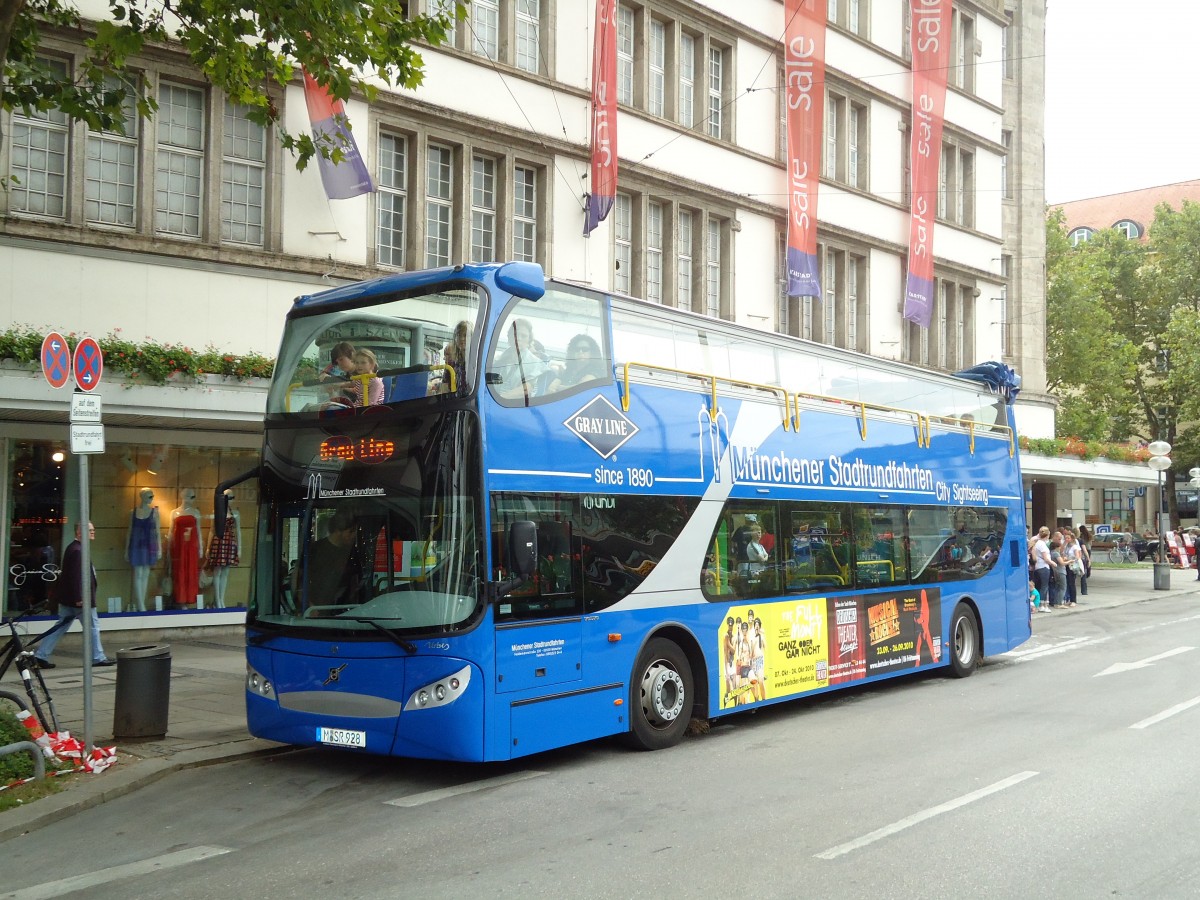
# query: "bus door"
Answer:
x=539 y=631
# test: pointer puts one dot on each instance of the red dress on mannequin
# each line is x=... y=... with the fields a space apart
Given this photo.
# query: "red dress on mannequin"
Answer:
x=185 y=558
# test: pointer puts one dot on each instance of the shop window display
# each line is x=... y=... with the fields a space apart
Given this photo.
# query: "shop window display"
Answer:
x=145 y=559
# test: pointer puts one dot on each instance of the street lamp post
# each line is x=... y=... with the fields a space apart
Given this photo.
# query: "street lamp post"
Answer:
x=1160 y=461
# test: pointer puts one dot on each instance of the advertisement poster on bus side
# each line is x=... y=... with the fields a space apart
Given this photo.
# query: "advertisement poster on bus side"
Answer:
x=783 y=649
x=904 y=630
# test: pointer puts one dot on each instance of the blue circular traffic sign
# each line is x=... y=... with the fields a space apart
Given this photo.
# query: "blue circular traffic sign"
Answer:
x=89 y=364
x=56 y=359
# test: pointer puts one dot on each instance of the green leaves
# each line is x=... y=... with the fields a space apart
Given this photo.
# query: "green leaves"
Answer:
x=1123 y=332
x=249 y=50
x=144 y=363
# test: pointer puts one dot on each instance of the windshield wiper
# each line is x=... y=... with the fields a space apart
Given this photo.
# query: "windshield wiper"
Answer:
x=408 y=646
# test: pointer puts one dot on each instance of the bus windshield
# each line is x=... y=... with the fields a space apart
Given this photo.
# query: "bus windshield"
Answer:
x=397 y=348
x=383 y=534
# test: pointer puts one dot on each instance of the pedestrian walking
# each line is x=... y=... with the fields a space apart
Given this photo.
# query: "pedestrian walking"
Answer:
x=69 y=592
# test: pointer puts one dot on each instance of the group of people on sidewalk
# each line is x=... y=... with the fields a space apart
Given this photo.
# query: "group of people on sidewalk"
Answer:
x=1061 y=563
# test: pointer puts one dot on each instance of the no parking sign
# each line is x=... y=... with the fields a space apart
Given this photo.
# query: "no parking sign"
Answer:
x=89 y=364
x=56 y=359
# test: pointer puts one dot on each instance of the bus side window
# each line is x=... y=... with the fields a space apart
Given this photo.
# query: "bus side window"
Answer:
x=549 y=348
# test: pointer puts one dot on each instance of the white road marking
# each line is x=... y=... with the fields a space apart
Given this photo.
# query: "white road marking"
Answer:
x=1166 y=713
x=445 y=793
x=896 y=827
x=116 y=873
x=1116 y=668
x=1021 y=654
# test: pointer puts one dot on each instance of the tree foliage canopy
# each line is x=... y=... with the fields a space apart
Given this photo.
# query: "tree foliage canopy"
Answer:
x=244 y=48
x=1123 y=332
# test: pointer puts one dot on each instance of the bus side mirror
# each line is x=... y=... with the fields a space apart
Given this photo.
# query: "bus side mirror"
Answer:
x=522 y=548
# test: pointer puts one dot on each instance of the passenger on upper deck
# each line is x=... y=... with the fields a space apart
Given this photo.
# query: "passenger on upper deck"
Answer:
x=585 y=362
x=455 y=356
x=365 y=363
x=522 y=363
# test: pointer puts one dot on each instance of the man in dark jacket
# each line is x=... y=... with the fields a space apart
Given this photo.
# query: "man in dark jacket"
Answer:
x=69 y=591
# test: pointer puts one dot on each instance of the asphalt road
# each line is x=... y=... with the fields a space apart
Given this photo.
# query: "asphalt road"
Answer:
x=1063 y=769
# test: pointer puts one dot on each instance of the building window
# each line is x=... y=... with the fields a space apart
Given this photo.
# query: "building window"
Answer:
x=962 y=51
x=528 y=35
x=625 y=55
x=439 y=209
x=623 y=243
x=657 y=95
x=843 y=305
x=829 y=305
x=848 y=14
x=483 y=209
x=832 y=117
x=654 y=252
x=1005 y=326
x=716 y=91
x=392 y=200
x=943 y=315
x=243 y=177
x=485 y=28
x=713 y=264
x=1080 y=235
x=110 y=173
x=1005 y=45
x=964 y=328
x=1005 y=185
x=196 y=171
x=179 y=165
x=956 y=186
x=1129 y=228
x=845 y=152
x=38 y=157
x=524 y=214
x=685 y=234
x=687 y=80
x=944 y=181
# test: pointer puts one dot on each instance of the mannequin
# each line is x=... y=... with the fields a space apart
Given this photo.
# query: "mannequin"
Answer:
x=187 y=549
x=225 y=551
x=143 y=544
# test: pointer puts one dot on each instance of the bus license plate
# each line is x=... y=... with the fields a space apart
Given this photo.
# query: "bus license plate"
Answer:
x=340 y=737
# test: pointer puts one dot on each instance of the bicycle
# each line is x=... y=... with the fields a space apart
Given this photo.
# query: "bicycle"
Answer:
x=1122 y=552
x=20 y=653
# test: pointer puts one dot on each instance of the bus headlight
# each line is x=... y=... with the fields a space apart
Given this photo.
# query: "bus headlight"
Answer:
x=441 y=692
x=259 y=684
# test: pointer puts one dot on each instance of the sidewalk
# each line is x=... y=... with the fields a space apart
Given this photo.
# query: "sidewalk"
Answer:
x=206 y=722
x=207 y=719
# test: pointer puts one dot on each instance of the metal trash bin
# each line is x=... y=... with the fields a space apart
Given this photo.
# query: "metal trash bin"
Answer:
x=143 y=692
x=1162 y=576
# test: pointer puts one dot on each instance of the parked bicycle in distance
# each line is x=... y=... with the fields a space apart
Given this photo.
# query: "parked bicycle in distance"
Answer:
x=1122 y=552
x=19 y=651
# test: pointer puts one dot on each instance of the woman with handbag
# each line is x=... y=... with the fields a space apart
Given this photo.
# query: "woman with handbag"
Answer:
x=1073 y=559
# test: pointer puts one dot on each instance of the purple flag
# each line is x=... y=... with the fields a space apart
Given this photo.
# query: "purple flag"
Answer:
x=348 y=178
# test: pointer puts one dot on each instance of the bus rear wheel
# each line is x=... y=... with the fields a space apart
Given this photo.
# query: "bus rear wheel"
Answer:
x=660 y=696
x=964 y=641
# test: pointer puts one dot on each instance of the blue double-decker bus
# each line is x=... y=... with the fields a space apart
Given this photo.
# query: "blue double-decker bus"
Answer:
x=503 y=513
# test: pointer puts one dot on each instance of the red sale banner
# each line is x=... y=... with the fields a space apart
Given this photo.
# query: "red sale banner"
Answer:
x=604 y=116
x=804 y=76
x=930 y=57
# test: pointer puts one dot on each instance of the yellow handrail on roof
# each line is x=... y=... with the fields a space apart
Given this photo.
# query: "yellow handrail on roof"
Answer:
x=712 y=387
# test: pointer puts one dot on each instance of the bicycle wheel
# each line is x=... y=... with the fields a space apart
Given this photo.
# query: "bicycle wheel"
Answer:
x=38 y=693
x=1116 y=555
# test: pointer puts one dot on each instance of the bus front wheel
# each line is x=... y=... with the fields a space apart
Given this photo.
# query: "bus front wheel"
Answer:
x=964 y=641
x=660 y=695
